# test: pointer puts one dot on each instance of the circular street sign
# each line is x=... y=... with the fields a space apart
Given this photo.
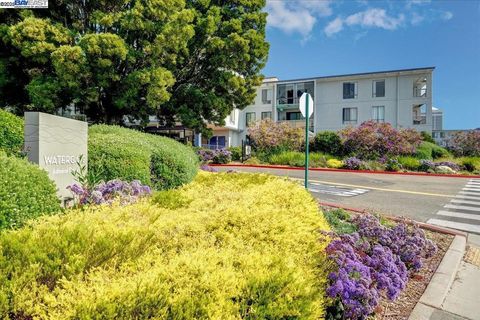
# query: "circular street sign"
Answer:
x=303 y=104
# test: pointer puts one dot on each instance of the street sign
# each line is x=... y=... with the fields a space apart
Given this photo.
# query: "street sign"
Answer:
x=306 y=108
x=303 y=103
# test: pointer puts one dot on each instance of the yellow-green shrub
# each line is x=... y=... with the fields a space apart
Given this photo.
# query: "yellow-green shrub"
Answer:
x=334 y=163
x=121 y=153
x=234 y=246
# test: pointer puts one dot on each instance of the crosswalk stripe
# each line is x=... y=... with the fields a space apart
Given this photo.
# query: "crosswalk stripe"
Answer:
x=459 y=215
x=470 y=193
x=451 y=206
x=455 y=225
x=471 y=189
x=461 y=196
x=474 y=186
x=477 y=203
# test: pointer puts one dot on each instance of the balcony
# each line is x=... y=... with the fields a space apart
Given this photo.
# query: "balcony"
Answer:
x=287 y=104
x=298 y=123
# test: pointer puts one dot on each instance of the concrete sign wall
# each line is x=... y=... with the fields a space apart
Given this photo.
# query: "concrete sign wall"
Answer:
x=55 y=144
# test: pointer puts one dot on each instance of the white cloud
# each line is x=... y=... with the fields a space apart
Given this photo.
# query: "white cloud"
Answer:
x=411 y=3
x=375 y=18
x=371 y=18
x=416 y=19
x=447 y=15
x=334 y=26
x=296 y=16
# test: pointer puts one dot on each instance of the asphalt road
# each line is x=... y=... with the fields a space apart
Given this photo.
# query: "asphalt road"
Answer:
x=416 y=197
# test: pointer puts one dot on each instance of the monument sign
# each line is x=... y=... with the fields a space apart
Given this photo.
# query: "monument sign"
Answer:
x=55 y=144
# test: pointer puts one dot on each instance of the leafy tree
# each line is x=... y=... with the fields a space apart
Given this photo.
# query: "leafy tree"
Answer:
x=187 y=60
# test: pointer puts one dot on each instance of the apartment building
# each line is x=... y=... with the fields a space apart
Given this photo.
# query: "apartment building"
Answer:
x=400 y=97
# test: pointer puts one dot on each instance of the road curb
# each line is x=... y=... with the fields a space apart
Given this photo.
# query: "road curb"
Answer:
x=346 y=170
x=439 y=286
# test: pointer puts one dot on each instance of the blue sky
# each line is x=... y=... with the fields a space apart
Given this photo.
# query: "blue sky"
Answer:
x=320 y=37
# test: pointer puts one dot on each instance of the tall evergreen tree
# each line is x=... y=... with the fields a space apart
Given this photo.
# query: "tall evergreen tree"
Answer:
x=191 y=61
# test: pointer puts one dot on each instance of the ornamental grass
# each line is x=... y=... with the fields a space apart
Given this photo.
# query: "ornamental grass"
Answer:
x=227 y=246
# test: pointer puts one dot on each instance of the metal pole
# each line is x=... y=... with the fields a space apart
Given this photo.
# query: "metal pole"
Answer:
x=306 y=140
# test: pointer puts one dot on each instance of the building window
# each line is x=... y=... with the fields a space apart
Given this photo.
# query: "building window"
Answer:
x=217 y=142
x=294 y=116
x=251 y=118
x=378 y=88
x=378 y=113
x=419 y=114
x=266 y=96
x=420 y=87
x=349 y=90
x=349 y=115
x=290 y=93
x=267 y=115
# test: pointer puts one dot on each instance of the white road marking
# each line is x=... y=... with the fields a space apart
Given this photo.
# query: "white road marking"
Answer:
x=452 y=206
x=463 y=212
x=456 y=225
x=459 y=215
x=477 y=203
x=461 y=196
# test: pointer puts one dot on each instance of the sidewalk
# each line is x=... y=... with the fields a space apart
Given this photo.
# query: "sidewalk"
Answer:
x=462 y=301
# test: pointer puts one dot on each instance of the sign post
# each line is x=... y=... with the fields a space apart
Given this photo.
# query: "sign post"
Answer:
x=306 y=108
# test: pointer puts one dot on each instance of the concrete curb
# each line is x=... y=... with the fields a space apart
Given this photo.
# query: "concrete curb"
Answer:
x=346 y=170
x=442 y=280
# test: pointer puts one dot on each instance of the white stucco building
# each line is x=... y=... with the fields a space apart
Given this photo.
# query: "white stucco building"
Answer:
x=400 y=97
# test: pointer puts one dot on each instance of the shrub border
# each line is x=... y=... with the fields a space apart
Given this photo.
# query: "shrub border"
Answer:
x=347 y=170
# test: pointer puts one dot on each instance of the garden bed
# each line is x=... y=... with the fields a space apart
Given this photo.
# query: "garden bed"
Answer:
x=403 y=305
x=269 y=166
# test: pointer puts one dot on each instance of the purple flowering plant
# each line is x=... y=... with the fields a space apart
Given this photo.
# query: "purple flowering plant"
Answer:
x=353 y=163
x=108 y=192
x=218 y=156
x=373 y=262
x=90 y=189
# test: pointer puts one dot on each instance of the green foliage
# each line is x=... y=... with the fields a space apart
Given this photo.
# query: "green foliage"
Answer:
x=427 y=137
x=120 y=153
x=409 y=163
x=334 y=163
x=297 y=159
x=252 y=160
x=236 y=153
x=219 y=255
x=26 y=192
x=339 y=220
x=184 y=60
x=469 y=163
x=429 y=151
x=392 y=164
x=11 y=133
x=328 y=142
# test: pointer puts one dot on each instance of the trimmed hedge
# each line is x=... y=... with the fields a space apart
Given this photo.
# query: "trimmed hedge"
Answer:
x=26 y=192
x=222 y=247
x=11 y=133
x=121 y=153
x=427 y=150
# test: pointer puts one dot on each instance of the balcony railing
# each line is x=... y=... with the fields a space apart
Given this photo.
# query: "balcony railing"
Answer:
x=419 y=92
x=298 y=123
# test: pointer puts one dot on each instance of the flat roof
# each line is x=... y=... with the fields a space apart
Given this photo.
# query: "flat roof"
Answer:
x=356 y=74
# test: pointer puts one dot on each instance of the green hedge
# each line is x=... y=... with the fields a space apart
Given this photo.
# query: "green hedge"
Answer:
x=222 y=247
x=26 y=192
x=11 y=133
x=122 y=153
x=429 y=151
